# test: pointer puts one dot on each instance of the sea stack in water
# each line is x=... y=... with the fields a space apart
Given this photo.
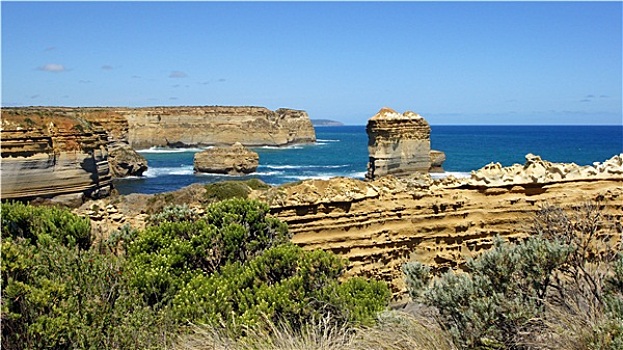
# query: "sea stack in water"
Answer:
x=399 y=144
x=234 y=160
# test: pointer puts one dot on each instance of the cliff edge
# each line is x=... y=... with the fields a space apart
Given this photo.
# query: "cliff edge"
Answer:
x=217 y=125
x=47 y=154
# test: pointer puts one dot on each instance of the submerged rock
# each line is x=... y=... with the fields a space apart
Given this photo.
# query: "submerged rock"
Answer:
x=234 y=160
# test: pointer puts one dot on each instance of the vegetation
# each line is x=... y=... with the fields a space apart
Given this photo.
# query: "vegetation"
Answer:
x=231 y=267
x=567 y=275
x=219 y=191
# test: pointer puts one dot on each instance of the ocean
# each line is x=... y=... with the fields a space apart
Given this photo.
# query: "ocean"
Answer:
x=343 y=151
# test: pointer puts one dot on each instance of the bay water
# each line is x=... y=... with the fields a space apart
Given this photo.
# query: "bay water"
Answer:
x=343 y=151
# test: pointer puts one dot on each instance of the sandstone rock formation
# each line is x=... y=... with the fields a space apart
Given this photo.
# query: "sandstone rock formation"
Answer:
x=399 y=144
x=539 y=171
x=125 y=161
x=379 y=225
x=234 y=160
x=46 y=154
x=206 y=126
x=436 y=161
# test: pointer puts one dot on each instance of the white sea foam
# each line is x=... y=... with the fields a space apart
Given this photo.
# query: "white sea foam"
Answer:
x=323 y=140
x=181 y=170
x=311 y=177
x=457 y=174
x=172 y=150
x=280 y=147
x=284 y=167
x=358 y=175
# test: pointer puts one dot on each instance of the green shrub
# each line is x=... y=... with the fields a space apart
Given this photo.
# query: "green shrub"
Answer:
x=58 y=294
x=284 y=284
x=45 y=223
x=508 y=293
x=219 y=191
x=173 y=213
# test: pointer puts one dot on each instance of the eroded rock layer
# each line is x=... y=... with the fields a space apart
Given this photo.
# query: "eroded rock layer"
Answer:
x=399 y=145
x=45 y=154
x=234 y=160
x=186 y=126
x=380 y=225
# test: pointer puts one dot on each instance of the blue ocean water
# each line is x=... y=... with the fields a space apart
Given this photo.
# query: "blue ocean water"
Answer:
x=343 y=151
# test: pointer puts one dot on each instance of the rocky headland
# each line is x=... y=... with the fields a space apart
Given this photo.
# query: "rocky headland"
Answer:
x=47 y=154
x=399 y=145
x=234 y=160
x=216 y=126
x=379 y=225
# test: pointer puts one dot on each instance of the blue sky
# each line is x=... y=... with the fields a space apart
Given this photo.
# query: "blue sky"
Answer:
x=452 y=62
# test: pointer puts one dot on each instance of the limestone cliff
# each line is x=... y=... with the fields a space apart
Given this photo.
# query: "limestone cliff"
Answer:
x=186 y=126
x=234 y=160
x=46 y=154
x=379 y=225
x=399 y=145
x=382 y=224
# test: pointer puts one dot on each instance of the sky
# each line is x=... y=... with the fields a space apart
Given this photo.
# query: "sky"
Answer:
x=452 y=62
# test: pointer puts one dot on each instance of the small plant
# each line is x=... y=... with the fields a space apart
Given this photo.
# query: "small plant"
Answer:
x=567 y=267
x=173 y=213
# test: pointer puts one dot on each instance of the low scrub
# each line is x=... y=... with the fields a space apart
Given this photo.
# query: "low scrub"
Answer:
x=569 y=273
x=231 y=266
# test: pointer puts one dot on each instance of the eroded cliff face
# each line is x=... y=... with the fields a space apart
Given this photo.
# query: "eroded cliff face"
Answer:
x=234 y=160
x=379 y=225
x=46 y=154
x=399 y=145
x=382 y=224
x=186 y=126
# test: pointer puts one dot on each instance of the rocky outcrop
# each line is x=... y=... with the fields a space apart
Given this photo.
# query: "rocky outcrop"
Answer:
x=436 y=161
x=234 y=160
x=399 y=145
x=125 y=161
x=380 y=225
x=47 y=154
x=207 y=126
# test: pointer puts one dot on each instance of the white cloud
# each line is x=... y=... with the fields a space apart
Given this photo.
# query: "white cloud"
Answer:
x=177 y=74
x=53 y=67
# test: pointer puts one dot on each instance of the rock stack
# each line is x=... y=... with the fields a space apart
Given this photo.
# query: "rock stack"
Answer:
x=399 y=145
x=234 y=160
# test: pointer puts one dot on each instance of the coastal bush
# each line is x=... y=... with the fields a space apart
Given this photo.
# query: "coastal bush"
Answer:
x=59 y=293
x=514 y=294
x=234 y=266
x=45 y=223
x=173 y=213
x=219 y=191
x=285 y=284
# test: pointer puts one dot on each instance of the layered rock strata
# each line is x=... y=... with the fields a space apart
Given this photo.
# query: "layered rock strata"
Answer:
x=399 y=145
x=382 y=224
x=124 y=161
x=379 y=225
x=234 y=160
x=46 y=154
x=207 y=126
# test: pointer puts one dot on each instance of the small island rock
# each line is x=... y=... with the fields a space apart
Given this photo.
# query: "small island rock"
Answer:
x=234 y=160
x=125 y=161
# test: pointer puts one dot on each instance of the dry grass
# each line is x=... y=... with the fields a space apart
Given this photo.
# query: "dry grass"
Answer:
x=394 y=331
